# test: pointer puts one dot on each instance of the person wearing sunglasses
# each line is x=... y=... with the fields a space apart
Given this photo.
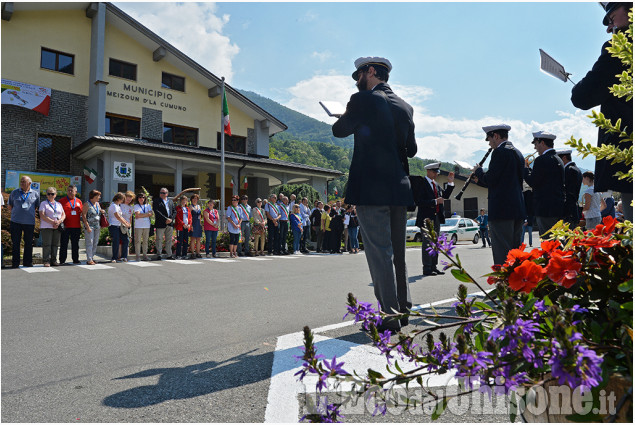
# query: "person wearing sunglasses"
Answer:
x=164 y=216
x=51 y=216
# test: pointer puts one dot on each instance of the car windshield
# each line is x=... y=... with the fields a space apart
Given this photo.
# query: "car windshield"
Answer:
x=450 y=222
x=410 y=222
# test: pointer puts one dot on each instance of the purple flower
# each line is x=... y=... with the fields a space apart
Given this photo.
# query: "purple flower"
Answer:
x=441 y=245
x=582 y=368
x=540 y=306
x=365 y=313
x=577 y=309
x=335 y=367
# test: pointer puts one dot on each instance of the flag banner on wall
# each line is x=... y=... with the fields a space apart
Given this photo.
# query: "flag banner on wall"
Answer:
x=27 y=96
x=90 y=175
x=245 y=182
x=231 y=182
x=226 y=127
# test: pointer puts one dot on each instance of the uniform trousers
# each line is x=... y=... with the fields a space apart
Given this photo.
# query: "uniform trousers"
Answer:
x=506 y=234
x=484 y=231
x=319 y=236
x=384 y=233
x=429 y=261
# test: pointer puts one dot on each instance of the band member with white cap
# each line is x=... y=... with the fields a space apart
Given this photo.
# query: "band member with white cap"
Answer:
x=432 y=196
x=593 y=90
x=547 y=182
x=505 y=203
x=572 y=185
x=378 y=179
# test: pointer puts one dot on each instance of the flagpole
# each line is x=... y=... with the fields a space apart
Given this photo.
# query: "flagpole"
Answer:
x=222 y=160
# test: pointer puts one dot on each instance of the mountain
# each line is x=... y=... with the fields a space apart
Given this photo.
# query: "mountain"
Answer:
x=301 y=127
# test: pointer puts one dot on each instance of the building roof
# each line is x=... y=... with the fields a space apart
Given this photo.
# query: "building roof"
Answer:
x=131 y=144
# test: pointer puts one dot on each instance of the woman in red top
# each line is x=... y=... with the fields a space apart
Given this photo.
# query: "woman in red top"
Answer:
x=183 y=226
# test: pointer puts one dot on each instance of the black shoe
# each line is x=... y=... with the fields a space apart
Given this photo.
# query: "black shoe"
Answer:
x=77 y=262
x=437 y=271
x=403 y=322
x=429 y=272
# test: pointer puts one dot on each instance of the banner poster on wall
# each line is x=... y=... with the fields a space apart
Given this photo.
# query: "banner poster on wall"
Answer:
x=26 y=96
x=42 y=181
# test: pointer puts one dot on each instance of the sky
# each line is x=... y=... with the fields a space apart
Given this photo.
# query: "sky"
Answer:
x=460 y=65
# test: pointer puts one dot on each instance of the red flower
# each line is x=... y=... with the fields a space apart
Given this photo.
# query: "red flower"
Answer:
x=526 y=276
x=519 y=255
x=599 y=242
x=563 y=270
x=492 y=280
x=496 y=267
x=606 y=228
x=549 y=246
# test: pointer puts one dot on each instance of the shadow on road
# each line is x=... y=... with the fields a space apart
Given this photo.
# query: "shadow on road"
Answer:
x=195 y=380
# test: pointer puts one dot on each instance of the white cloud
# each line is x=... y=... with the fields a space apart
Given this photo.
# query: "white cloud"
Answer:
x=322 y=56
x=439 y=137
x=193 y=28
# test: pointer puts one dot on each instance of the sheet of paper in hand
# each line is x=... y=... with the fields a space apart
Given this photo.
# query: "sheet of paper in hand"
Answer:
x=333 y=109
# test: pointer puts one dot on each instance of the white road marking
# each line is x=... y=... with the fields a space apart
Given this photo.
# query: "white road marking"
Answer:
x=220 y=260
x=38 y=269
x=143 y=264
x=184 y=262
x=256 y=259
x=94 y=267
x=284 y=388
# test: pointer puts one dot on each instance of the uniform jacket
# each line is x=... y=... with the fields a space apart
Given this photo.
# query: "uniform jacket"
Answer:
x=427 y=207
x=547 y=181
x=504 y=179
x=160 y=213
x=593 y=90
x=384 y=135
x=572 y=185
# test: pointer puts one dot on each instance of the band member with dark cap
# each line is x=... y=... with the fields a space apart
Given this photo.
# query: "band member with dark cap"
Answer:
x=547 y=182
x=505 y=202
x=593 y=90
x=378 y=179
x=431 y=207
x=572 y=185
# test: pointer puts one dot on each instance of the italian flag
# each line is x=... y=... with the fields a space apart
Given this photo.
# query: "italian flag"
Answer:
x=226 y=127
x=245 y=182
x=231 y=182
x=335 y=190
x=90 y=175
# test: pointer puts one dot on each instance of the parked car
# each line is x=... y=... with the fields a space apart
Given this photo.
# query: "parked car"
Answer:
x=461 y=229
x=413 y=233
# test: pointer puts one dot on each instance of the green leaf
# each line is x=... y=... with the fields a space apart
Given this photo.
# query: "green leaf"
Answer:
x=439 y=409
x=627 y=306
x=626 y=286
x=461 y=275
x=482 y=305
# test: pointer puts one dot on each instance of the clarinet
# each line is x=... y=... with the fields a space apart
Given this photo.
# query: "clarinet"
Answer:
x=469 y=179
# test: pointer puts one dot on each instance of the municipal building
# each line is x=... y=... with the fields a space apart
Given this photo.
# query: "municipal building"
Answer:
x=86 y=87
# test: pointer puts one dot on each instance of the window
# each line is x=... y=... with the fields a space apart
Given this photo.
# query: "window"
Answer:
x=123 y=126
x=123 y=69
x=53 y=153
x=180 y=135
x=234 y=144
x=57 y=61
x=169 y=81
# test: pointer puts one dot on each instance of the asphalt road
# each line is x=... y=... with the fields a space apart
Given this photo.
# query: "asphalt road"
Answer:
x=176 y=342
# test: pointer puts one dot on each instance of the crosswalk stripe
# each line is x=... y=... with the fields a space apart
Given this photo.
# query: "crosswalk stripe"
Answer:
x=95 y=267
x=39 y=269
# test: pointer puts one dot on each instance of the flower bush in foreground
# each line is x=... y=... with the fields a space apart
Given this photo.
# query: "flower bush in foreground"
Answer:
x=561 y=312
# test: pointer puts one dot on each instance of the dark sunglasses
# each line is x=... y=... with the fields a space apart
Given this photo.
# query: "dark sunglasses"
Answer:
x=48 y=194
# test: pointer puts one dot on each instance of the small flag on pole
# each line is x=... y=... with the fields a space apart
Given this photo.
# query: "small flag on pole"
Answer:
x=231 y=183
x=335 y=190
x=226 y=127
x=245 y=182
x=90 y=175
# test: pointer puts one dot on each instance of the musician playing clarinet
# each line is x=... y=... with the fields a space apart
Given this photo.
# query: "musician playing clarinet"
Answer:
x=432 y=196
x=504 y=180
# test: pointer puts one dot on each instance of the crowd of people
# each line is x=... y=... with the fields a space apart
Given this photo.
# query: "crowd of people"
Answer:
x=131 y=215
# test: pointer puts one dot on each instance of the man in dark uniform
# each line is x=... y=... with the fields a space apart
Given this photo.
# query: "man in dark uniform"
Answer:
x=593 y=90
x=572 y=185
x=505 y=203
x=378 y=182
x=431 y=207
x=547 y=182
